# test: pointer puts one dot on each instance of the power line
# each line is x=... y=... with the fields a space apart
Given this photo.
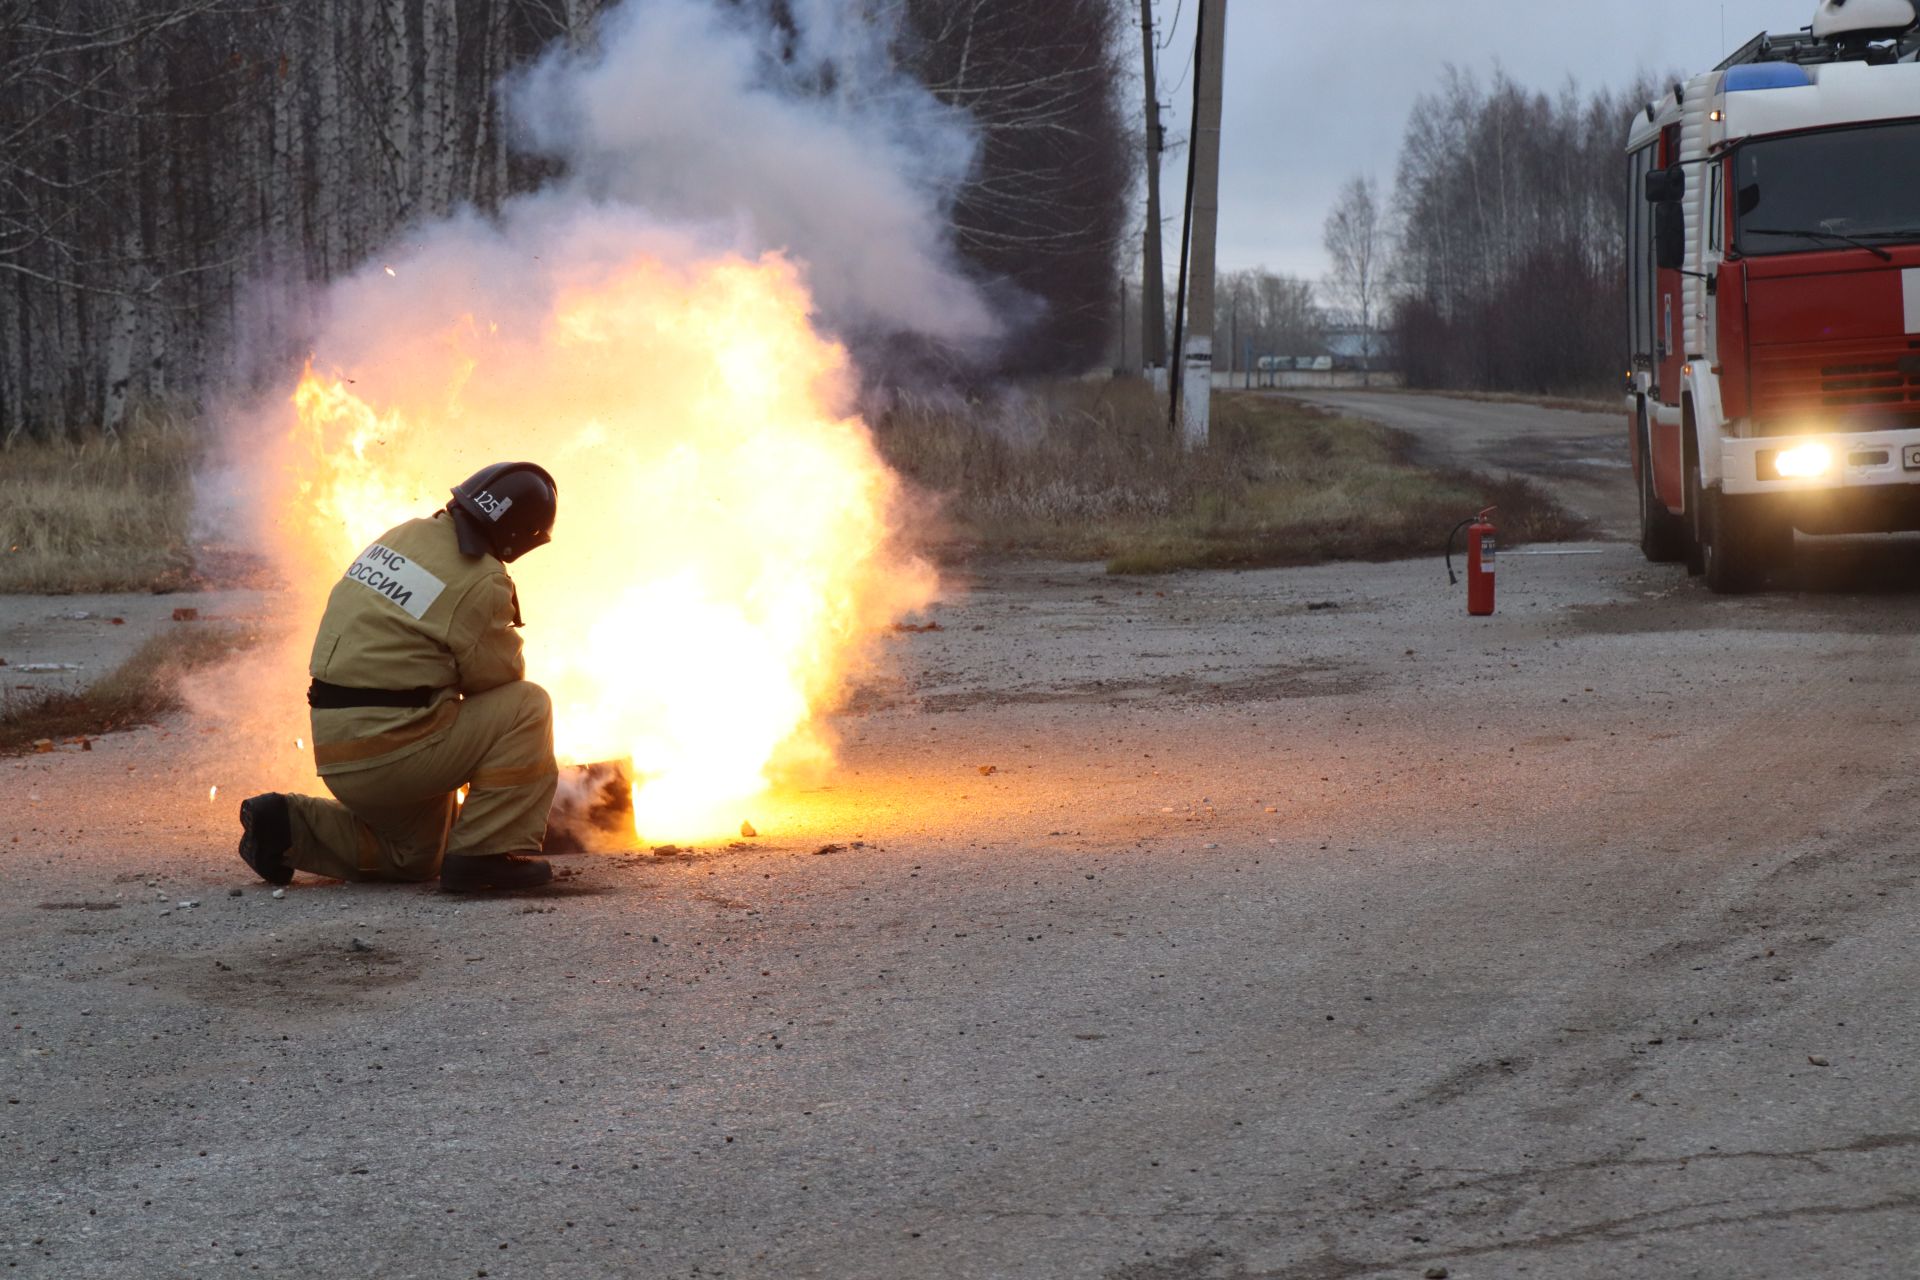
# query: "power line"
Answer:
x=1183 y=75
x=1171 y=26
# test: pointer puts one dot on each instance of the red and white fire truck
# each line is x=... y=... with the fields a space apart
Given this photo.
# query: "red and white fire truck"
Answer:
x=1773 y=279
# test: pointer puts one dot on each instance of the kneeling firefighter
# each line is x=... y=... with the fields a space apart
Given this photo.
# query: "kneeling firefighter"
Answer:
x=418 y=690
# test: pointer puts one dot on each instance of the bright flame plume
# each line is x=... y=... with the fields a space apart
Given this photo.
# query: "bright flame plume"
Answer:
x=726 y=542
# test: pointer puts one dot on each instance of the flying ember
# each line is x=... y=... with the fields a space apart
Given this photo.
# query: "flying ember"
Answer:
x=727 y=539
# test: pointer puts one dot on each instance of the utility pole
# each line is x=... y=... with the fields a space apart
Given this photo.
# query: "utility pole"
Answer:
x=1203 y=159
x=1153 y=305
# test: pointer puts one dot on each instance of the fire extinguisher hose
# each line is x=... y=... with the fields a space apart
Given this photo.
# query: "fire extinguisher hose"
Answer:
x=1453 y=533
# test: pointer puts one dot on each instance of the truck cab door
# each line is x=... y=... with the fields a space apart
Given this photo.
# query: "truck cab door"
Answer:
x=1669 y=322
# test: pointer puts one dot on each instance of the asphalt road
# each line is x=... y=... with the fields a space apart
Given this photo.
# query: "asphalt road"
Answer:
x=1305 y=928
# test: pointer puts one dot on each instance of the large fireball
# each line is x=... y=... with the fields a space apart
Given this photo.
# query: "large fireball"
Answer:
x=726 y=536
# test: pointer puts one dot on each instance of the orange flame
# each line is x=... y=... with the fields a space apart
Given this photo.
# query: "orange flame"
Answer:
x=726 y=541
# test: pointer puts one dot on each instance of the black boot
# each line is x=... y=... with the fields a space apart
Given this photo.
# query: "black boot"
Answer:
x=470 y=872
x=266 y=833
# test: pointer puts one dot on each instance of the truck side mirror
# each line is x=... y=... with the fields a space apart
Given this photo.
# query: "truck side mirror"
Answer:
x=1666 y=185
x=1669 y=236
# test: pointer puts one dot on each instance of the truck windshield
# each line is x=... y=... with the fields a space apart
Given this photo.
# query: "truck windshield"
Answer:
x=1824 y=190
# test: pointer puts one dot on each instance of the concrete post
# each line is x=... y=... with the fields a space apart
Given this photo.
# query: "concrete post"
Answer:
x=1196 y=356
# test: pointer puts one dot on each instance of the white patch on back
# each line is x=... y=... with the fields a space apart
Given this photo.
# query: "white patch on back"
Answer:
x=1910 y=295
x=404 y=584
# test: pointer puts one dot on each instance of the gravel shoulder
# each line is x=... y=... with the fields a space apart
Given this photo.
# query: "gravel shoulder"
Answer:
x=1304 y=928
x=64 y=642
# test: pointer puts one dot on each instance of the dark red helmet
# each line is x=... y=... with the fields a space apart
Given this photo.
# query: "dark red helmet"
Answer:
x=506 y=509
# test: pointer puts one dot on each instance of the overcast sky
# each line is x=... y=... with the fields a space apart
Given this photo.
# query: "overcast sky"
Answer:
x=1318 y=92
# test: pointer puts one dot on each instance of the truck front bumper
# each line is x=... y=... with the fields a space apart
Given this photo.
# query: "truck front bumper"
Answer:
x=1857 y=460
x=1871 y=483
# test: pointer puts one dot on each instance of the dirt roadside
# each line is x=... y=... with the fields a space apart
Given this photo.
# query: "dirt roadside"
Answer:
x=56 y=642
x=1304 y=928
x=1581 y=456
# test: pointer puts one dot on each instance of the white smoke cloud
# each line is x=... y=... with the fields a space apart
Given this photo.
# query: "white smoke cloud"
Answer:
x=809 y=142
x=639 y=326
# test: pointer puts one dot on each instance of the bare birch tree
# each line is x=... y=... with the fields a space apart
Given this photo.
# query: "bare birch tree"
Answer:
x=1356 y=243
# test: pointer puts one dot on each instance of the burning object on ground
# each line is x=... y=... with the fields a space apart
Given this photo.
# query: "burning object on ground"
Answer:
x=593 y=809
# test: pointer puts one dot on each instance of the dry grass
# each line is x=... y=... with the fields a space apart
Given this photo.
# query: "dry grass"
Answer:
x=1087 y=471
x=1081 y=470
x=140 y=691
x=98 y=514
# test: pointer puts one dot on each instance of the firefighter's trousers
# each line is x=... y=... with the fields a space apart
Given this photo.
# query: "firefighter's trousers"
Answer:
x=396 y=821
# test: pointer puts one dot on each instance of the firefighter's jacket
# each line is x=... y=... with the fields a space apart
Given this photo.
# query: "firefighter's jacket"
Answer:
x=411 y=612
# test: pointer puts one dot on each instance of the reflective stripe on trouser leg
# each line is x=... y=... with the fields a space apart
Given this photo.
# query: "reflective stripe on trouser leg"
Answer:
x=369 y=835
x=513 y=782
x=327 y=839
x=502 y=742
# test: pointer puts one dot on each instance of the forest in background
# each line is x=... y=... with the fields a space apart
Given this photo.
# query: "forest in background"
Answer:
x=1509 y=206
x=175 y=173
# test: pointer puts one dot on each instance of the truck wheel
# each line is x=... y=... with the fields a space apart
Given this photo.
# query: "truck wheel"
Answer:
x=1743 y=544
x=1663 y=535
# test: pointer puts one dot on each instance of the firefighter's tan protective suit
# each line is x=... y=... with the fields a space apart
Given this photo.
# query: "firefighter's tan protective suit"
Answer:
x=413 y=612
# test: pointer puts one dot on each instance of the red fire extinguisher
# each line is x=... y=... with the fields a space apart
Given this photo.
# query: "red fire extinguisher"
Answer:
x=1479 y=561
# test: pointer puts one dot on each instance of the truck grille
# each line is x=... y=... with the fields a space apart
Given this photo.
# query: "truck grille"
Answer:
x=1876 y=381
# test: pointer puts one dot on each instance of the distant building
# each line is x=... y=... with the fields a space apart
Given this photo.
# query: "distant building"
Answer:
x=1348 y=345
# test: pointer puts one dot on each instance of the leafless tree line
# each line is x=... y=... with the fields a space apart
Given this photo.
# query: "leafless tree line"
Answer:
x=168 y=168
x=173 y=172
x=1510 y=211
x=1264 y=313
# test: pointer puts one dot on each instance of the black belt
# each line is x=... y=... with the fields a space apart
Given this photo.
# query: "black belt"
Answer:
x=335 y=697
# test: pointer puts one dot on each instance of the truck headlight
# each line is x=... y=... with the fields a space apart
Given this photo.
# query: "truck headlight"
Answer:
x=1800 y=462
